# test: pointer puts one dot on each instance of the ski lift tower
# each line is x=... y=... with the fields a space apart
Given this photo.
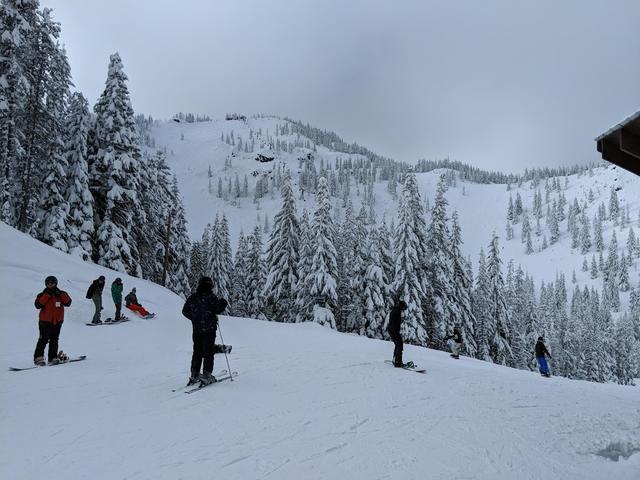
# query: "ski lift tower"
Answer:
x=620 y=144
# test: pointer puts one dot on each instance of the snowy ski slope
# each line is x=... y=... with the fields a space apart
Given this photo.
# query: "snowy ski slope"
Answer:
x=308 y=402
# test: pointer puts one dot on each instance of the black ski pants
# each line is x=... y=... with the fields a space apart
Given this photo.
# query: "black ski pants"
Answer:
x=396 y=338
x=203 y=346
x=49 y=333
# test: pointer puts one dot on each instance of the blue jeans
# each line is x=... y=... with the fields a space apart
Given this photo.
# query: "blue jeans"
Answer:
x=542 y=364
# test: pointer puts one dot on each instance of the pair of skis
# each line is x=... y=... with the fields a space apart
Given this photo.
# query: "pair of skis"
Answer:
x=221 y=377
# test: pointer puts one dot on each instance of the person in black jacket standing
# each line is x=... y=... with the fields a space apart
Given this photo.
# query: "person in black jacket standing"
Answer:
x=455 y=342
x=203 y=308
x=393 y=328
x=541 y=356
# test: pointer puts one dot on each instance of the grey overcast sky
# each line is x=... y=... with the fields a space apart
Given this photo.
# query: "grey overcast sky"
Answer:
x=499 y=84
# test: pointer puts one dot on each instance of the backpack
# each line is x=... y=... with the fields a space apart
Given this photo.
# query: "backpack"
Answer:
x=90 y=290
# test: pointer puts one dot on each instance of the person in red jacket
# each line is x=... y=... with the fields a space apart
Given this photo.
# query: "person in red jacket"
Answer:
x=51 y=302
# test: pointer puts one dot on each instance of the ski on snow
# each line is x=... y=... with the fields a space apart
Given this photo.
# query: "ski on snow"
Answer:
x=225 y=376
x=73 y=359
x=407 y=366
x=193 y=386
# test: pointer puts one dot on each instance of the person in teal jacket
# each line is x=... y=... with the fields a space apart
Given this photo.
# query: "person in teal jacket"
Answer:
x=116 y=294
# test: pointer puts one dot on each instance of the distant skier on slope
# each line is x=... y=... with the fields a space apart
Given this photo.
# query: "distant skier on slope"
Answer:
x=541 y=351
x=94 y=292
x=116 y=295
x=203 y=308
x=393 y=328
x=131 y=301
x=455 y=342
x=51 y=302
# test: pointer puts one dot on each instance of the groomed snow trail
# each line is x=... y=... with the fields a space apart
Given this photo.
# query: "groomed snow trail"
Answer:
x=308 y=403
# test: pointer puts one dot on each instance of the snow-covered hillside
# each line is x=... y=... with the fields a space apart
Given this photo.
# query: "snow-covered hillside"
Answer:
x=308 y=402
x=194 y=149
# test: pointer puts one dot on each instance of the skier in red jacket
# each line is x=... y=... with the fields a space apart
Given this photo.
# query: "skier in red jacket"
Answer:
x=51 y=302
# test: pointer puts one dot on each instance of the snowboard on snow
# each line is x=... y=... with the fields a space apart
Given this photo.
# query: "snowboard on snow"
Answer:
x=72 y=359
x=408 y=366
x=109 y=321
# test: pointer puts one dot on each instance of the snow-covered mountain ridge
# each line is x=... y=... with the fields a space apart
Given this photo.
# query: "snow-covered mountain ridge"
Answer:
x=308 y=402
x=201 y=157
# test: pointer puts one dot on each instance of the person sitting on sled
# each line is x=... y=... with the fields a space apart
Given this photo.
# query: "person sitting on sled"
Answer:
x=131 y=302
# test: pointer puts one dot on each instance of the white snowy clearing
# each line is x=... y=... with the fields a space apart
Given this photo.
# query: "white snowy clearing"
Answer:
x=308 y=402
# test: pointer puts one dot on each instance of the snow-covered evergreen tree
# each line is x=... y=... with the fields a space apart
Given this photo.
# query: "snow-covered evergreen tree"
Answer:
x=283 y=258
x=116 y=162
x=409 y=283
x=374 y=290
x=321 y=280
x=304 y=300
x=256 y=274
x=80 y=220
x=499 y=337
x=461 y=289
x=240 y=280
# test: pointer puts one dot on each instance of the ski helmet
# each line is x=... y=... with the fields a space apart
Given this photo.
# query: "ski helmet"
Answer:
x=51 y=279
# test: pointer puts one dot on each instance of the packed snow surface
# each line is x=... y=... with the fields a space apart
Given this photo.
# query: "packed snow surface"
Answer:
x=308 y=402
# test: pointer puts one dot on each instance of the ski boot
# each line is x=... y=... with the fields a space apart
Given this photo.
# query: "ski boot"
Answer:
x=207 y=379
x=193 y=379
x=54 y=361
x=222 y=348
x=39 y=361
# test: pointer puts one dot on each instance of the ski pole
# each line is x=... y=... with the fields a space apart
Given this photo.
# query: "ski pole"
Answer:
x=225 y=353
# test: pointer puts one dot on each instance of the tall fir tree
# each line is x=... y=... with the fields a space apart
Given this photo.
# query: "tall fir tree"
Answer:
x=321 y=280
x=499 y=338
x=282 y=259
x=304 y=301
x=461 y=289
x=116 y=162
x=78 y=195
x=239 y=284
x=409 y=282
x=256 y=275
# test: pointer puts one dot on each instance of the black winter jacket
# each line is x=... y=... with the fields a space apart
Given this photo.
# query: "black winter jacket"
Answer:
x=131 y=299
x=456 y=337
x=95 y=287
x=202 y=308
x=395 y=320
x=541 y=349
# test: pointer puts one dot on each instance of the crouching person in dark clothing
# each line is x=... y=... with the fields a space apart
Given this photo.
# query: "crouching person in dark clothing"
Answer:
x=51 y=302
x=393 y=328
x=203 y=308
